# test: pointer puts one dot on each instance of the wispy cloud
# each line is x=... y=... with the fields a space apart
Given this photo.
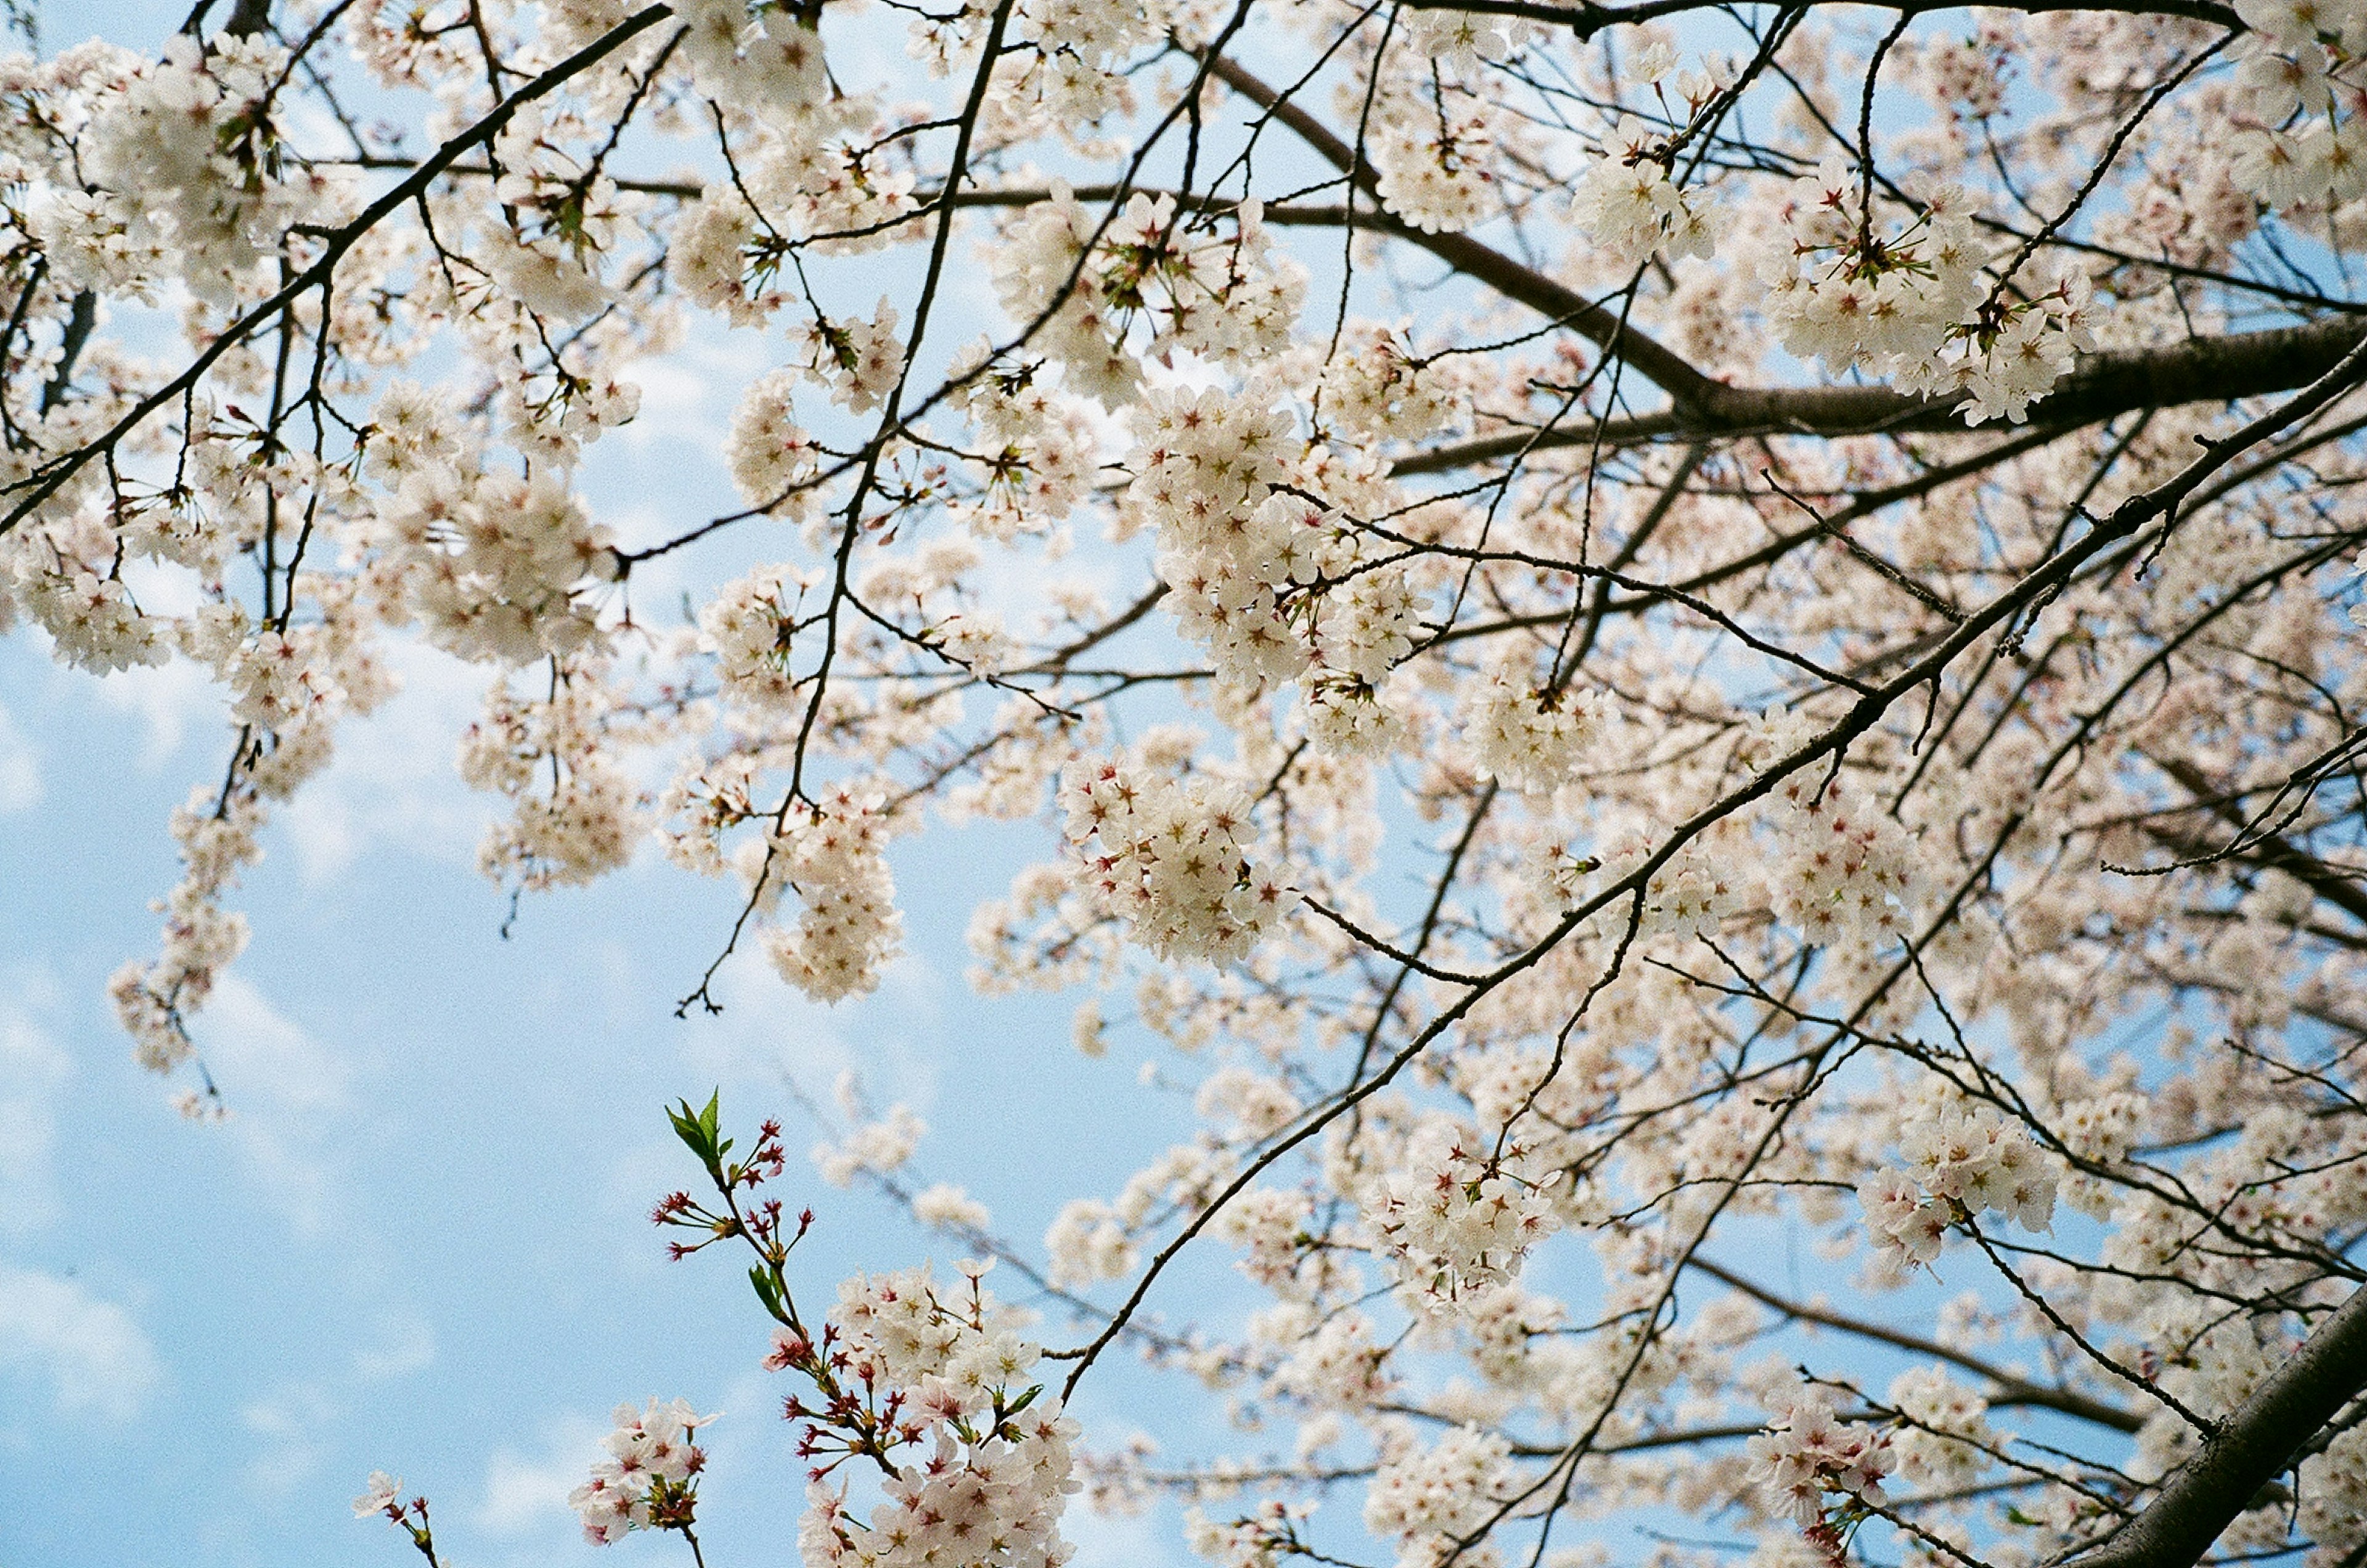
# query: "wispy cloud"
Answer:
x=32 y=1069
x=96 y=1359
x=20 y=768
x=525 y=1494
x=288 y=1094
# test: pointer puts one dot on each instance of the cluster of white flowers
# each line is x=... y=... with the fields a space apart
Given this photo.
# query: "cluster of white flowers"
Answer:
x=1171 y=857
x=2300 y=77
x=833 y=854
x=2333 y=1488
x=859 y=361
x=1909 y=303
x=1271 y=1228
x=1232 y=300
x=773 y=461
x=747 y=627
x=1811 y=1454
x=1457 y=1223
x=1272 y=584
x=1942 y=1450
x=1691 y=895
x=876 y=1147
x=1250 y=1104
x=1535 y=738
x=1426 y=1498
x=216 y=834
x=185 y=164
x=1433 y=161
x=1630 y=207
x=91 y=616
x=944 y=1206
x=992 y=1494
x=1373 y=386
x=1034 y=449
x=648 y=1481
x=1969 y=1161
x=1843 y=869
x=764 y=61
x=497 y=565
x=562 y=221
x=2101 y=1127
x=575 y=814
x=1087 y=1241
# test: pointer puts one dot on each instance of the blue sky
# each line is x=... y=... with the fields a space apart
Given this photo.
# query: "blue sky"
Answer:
x=419 y=1241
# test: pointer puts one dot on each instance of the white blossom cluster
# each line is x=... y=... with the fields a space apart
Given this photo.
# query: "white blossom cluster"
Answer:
x=999 y=1473
x=773 y=460
x=1535 y=737
x=875 y=1148
x=1843 y=869
x=859 y=361
x=1426 y=1498
x=1035 y=448
x=1911 y=303
x=1948 y=1441
x=1375 y=387
x=182 y=166
x=848 y=928
x=1627 y=204
x=1811 y=1454
x=2300 y=84
x=1278 y=588
x=1171 y=857
x=1190 y=289
x=1434 y=161
x=1961 y=1161
x=748 y=627
x=653 y=1459
x=1454 y=1223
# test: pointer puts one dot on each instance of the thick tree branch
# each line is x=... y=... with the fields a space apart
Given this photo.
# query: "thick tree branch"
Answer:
x=2115 y=381
x=1585 y=21
x=2250 y=1447
x=2016 y=1391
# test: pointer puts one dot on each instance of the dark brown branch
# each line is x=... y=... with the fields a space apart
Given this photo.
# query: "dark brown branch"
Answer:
x=1585 y=21
x=2248 y=1448
x=2113 y=382
x=2016 y=1391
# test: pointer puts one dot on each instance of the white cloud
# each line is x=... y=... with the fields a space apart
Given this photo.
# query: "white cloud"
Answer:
x=393 y=780
x=96 y=1356
x=408 y=1346
x=247 y=1040
x=286 y=1093
x=20 y=769
x=1104 y=1540
x=32 y=1069
x=289 y=1424
x=165 y=698
x=524 y=1494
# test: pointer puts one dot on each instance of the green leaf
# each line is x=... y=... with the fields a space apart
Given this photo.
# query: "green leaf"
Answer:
x=768 y=1290
x=699 y=1129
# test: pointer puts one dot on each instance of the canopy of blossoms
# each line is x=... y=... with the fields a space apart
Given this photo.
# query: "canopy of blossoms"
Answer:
x=1624 y=628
